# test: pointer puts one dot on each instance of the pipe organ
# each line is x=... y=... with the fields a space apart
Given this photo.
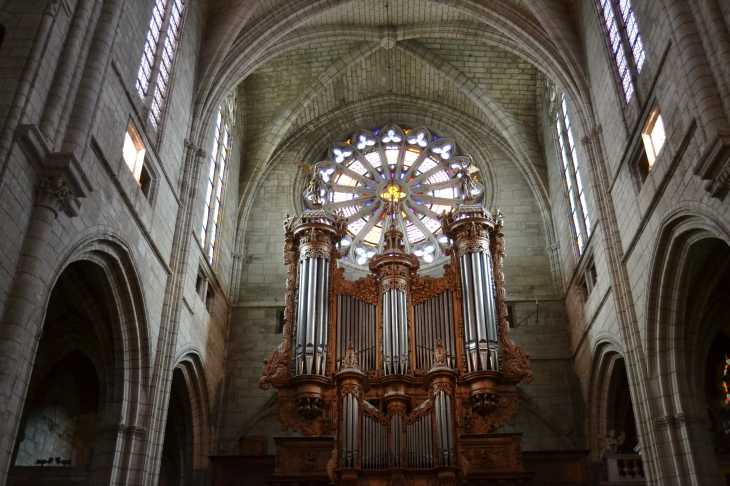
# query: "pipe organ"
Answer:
x=408 y=373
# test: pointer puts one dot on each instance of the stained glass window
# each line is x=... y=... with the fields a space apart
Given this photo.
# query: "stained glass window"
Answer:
x=625 y=40
x=155 y=67
x=574 y=191
x=417 y=168
x=725 y=380
x=216 y=177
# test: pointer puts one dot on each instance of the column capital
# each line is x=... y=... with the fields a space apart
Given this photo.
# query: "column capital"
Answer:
x=53 y=193
x=61 y=180
x=194 y=148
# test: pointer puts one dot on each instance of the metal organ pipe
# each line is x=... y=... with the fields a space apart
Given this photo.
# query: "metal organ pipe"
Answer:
x=312 y=317
x=349 y=447
x=480 y=325
x=434 y=319
x=419 y=435
x=395 y=332
x=444 y=437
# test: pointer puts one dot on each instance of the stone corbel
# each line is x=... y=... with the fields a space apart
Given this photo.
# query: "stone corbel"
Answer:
x=61 y=180
x=713 y=165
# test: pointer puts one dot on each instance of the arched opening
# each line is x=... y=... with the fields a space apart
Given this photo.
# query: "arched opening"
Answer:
x=60 y=418
x=178 y=448
x=620 y=412
x=75 y=386
x=717 y=389
x=689 y=309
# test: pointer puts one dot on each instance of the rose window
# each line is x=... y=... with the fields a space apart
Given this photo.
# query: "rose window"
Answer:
x=421 y=172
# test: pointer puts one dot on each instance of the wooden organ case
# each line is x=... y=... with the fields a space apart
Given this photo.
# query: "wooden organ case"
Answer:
x=407 y=373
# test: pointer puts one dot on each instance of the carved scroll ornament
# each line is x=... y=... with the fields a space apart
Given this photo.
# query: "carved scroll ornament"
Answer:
x=276 y=366
x=505 y=412
x=289 y=417
x=514 y=359
x=364 y=289
x=424 y=287
x=420 y=411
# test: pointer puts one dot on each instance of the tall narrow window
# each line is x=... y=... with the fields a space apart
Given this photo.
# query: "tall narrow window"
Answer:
x=155 y=66
x=216 y=178
x=578 y=209
x=626 y=44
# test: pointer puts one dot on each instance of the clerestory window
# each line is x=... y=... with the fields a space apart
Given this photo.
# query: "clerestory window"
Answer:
x=626 y=45
x=216 y=177
x=155 y=67
x=574 y=191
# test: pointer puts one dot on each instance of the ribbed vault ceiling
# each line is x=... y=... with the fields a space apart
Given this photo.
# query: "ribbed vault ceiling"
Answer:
x=298 y=62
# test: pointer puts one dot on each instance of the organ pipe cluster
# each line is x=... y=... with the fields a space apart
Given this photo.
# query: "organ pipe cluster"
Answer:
x=316 y=234
x=469 y=228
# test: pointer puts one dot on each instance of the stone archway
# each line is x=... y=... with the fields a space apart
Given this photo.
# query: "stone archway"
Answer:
x=613 y=424
x=77 y=387
x=685 y=308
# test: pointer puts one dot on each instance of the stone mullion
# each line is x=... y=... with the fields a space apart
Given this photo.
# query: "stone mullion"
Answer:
x=623 y=300
x=157 y=60
x=149 y=465
x=570 y=173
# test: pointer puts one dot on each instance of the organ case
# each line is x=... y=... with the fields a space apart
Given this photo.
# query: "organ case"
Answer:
x=397 y=366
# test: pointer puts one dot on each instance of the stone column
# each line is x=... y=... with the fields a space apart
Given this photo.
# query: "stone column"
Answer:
x=22 y=325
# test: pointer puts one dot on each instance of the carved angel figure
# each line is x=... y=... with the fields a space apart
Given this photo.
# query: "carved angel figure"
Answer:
x=317 y=190
x=611 y=442
x=350 y=359
x=439 y=355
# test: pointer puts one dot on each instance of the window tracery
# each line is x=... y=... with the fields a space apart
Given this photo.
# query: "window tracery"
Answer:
x=155 y=67
x=216 y=177
x=725 y=381
x=422 y=172
x=626 y=44
x=578 y=209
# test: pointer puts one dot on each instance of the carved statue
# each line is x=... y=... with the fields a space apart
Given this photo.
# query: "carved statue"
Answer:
x=439 y=355
x=611 y=442
x=350 y=359
x=316 y=191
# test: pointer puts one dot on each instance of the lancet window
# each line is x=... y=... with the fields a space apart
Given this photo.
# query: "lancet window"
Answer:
x=578 y=209
x=726 y=381
x=155 y=67
x=626 y=45
x=216 y=177
x=420 y=170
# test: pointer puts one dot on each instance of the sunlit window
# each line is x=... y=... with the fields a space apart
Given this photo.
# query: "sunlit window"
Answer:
x=578 y=209
x=216 y=177
x=653 y=136
x=155 y=66
x=625 y=40
x=133 y=152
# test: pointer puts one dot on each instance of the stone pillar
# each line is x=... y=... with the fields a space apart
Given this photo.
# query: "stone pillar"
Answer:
x=22 y=325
